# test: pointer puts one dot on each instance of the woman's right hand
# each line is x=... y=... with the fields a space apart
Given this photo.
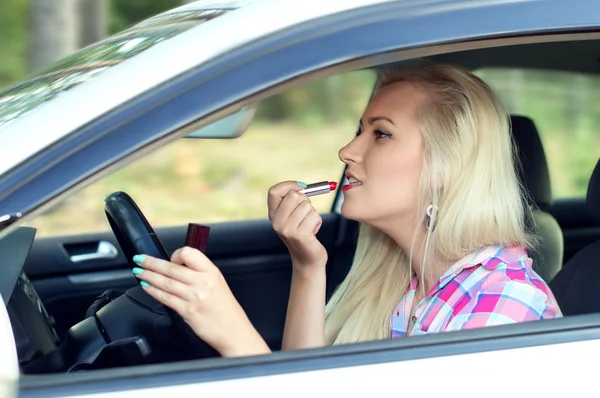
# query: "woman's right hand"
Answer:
x=297 y=223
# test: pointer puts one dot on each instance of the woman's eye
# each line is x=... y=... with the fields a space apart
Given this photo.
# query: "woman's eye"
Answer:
x=379 y=134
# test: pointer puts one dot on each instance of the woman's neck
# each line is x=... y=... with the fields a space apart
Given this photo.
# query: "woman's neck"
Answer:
x=428 y=274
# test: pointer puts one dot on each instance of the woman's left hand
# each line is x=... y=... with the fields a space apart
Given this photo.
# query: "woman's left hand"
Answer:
x=191 y=285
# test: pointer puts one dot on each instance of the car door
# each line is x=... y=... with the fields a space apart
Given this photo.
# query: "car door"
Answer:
x=362 y=40
x=359 y=369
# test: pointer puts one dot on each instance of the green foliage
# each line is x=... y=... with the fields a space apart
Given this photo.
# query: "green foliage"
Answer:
x=332 y=100
x=14 y=22
x=125 y=13
x=13 y=40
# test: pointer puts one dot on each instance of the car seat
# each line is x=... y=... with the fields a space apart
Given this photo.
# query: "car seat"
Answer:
x=576 y=285
x=548 y=255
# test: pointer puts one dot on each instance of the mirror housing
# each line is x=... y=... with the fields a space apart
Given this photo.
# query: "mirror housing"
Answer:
x=9 y=365
x=231 y=126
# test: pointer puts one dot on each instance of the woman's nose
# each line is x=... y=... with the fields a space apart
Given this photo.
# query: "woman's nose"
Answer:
x=350 y=153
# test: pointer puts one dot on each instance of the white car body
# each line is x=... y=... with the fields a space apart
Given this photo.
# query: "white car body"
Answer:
x=481 y=367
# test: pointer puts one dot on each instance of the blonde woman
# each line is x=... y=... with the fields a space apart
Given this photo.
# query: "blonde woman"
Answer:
x=442 y=244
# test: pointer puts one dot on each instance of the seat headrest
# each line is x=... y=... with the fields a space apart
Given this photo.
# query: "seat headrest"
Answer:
x=593 y=194
x=534 y=168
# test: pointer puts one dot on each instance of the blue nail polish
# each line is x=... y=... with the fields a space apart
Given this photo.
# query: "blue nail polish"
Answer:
x=138 y=258
x=144 y=284
x=303 y=185
x=137 y=271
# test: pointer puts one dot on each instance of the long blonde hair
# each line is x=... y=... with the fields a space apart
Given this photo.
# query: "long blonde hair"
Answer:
x=469 y=174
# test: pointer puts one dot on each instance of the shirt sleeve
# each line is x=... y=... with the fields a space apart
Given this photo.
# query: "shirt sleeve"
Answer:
x=504 y=303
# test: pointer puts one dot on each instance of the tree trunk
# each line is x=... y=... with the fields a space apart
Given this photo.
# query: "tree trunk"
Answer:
x=92 y=21
x=52 y=31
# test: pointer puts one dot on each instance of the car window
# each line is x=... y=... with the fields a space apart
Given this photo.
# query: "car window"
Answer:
x=563 y=106
x=87 y=63
x=294 y=136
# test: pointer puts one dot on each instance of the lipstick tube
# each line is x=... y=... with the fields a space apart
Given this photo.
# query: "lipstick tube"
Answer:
x=319 y=188
x=197 y=236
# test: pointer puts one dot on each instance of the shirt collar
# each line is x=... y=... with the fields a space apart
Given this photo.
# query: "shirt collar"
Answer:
x=479 y=257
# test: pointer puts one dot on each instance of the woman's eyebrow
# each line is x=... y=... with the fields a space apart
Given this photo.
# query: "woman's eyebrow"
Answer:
x=376 y=118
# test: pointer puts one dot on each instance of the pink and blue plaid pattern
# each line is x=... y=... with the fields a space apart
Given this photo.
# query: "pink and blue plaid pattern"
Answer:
x=494 y=286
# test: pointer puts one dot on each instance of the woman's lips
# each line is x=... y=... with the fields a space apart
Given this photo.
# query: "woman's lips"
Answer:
x=351 y=182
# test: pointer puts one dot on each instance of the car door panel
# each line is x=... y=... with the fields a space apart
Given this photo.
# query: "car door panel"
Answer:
x=254 y=261
x=354 y=369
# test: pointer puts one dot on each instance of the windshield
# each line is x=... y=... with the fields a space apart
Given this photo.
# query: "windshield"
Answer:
x=95 y=59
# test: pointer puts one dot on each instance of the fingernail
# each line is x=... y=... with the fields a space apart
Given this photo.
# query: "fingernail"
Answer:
x=144 y=284
x=137 y=271
x=303 y=185
x=138 y=259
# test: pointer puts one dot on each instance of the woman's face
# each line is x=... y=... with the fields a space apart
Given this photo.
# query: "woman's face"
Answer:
x=385 y=159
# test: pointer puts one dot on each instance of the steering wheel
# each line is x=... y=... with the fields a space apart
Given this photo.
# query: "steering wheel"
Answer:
x=136 y=312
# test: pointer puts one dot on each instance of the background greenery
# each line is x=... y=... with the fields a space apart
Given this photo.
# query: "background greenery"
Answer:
x=296 y=135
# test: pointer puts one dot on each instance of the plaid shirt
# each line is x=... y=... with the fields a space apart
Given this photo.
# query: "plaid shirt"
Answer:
x=492 y=286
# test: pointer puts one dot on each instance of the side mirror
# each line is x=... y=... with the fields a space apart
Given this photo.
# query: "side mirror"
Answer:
x=231 y=126
x=9 y=364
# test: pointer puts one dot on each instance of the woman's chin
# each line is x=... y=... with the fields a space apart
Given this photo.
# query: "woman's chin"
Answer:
x=355 y=212
x=350 y=212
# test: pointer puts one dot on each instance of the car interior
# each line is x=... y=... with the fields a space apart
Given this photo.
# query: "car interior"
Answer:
x=57 y=301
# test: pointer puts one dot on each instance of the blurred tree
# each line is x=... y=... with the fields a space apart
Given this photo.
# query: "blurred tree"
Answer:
x=331 y=100
x=52 y=31
x=125 y=13
x=93 y=21
x=13 y=40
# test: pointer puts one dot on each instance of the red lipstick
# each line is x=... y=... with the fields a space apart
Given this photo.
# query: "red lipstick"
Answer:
x=347 y=187
x=319 y=188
